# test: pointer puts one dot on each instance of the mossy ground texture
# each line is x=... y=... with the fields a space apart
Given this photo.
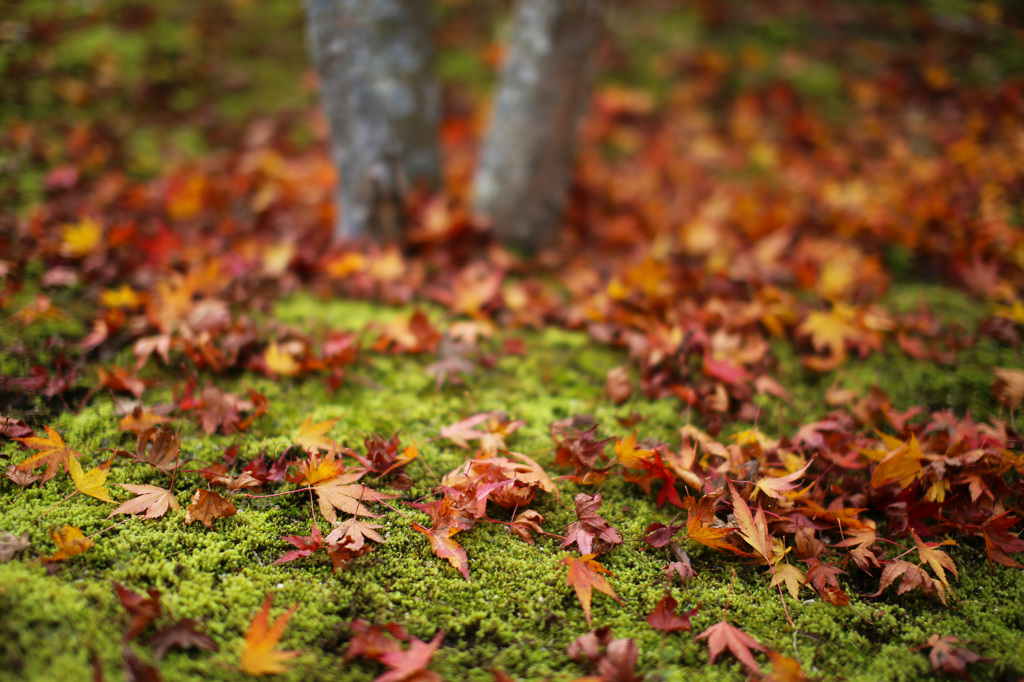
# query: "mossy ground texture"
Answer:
x=516 y=613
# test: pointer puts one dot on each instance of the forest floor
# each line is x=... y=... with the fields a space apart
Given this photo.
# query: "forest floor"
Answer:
x=793 y=267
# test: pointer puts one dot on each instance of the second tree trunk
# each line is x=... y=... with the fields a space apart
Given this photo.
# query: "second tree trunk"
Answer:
x=526 y=162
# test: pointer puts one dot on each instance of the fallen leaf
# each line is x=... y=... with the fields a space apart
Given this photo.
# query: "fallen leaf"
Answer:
x=722 y=635
x=11 y=544
x=70 y=541
x=313 y=437
x=91 y=483
x=143 y=610
x=53 y=452
x=446 y=548
x=952 y=660
x=585 y=574
x=664 y=616
x=411 y=664
x=183 y=635
x=258 y=655
x=206 y=506
x=152 y=500
x=590 y=532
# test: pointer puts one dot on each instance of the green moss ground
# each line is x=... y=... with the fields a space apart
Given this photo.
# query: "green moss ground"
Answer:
x=517 y=613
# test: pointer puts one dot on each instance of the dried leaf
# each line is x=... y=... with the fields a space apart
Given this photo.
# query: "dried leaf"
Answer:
x=183 y=635
x=446 y=548
x=11 y=544
x=952 y=660
x=143 y=610
x=206 y=506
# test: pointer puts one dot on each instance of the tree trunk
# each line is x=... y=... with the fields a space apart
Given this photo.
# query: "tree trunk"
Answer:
x=375 y=59
x=526 y=162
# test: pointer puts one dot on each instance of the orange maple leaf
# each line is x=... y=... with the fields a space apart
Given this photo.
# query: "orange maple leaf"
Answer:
x=313 y=437
x=70 y=541
x=259 y=656
x=446 y=548
x=53 y=452
x=628 y=455
x=206 y=506
x=584 y=575
x=151 y=499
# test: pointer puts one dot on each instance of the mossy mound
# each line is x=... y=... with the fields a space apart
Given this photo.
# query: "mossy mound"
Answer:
x=517 y=612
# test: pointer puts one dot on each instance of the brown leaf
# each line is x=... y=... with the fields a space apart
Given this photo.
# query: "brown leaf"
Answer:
x=527 y=523
x=158 y=446
x=183 y=635
x=142 y=610
x=617 y=385
x=11 y=544
x=152 y=500
x=206 y=506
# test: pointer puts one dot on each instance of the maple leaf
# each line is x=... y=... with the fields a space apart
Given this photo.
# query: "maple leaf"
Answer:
x=628 y=455
x=950 y=659
x=999 y=541
x=159 y=447
x=698 y=526
x=754 y=530
x=91 y=483
x=143 y=610
x=613 y=659
x=70 y=541
x=790 y=576
x=580 y=451
x=151 y=499
x=206 y=506
x=445 y=547
x=411 y=663
x=182 y=634
x=527 y=523
x=53 y=452
x=722 y=635
x=658 y=535
x=313 y=437
x=348 y=541
x=585 y=574
x=901 y=465
x=280 y=361
x=784 y=669
x=14 y=428
x=81 y=238
x=778 y=487
x=590 y=529
x=11 y=544
x=664 y=616
x=617 y=385
x=258 y=655
x=829 y=331
x=341 y=492
x=305 y=545
x=140 y=419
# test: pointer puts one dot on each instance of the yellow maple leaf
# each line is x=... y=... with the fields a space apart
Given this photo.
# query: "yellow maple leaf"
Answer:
x=281 y=361
x=259 y=656
x=125 y=297
x=901 y=465
x=80 y=239
x=313 y=437
x=91 y=483
x=70 y=541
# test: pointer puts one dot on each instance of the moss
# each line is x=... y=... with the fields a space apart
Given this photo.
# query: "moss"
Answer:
x=517 y=613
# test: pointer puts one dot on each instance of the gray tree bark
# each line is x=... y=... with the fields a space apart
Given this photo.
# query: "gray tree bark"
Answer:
x=526 y=163
x=375 y=59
